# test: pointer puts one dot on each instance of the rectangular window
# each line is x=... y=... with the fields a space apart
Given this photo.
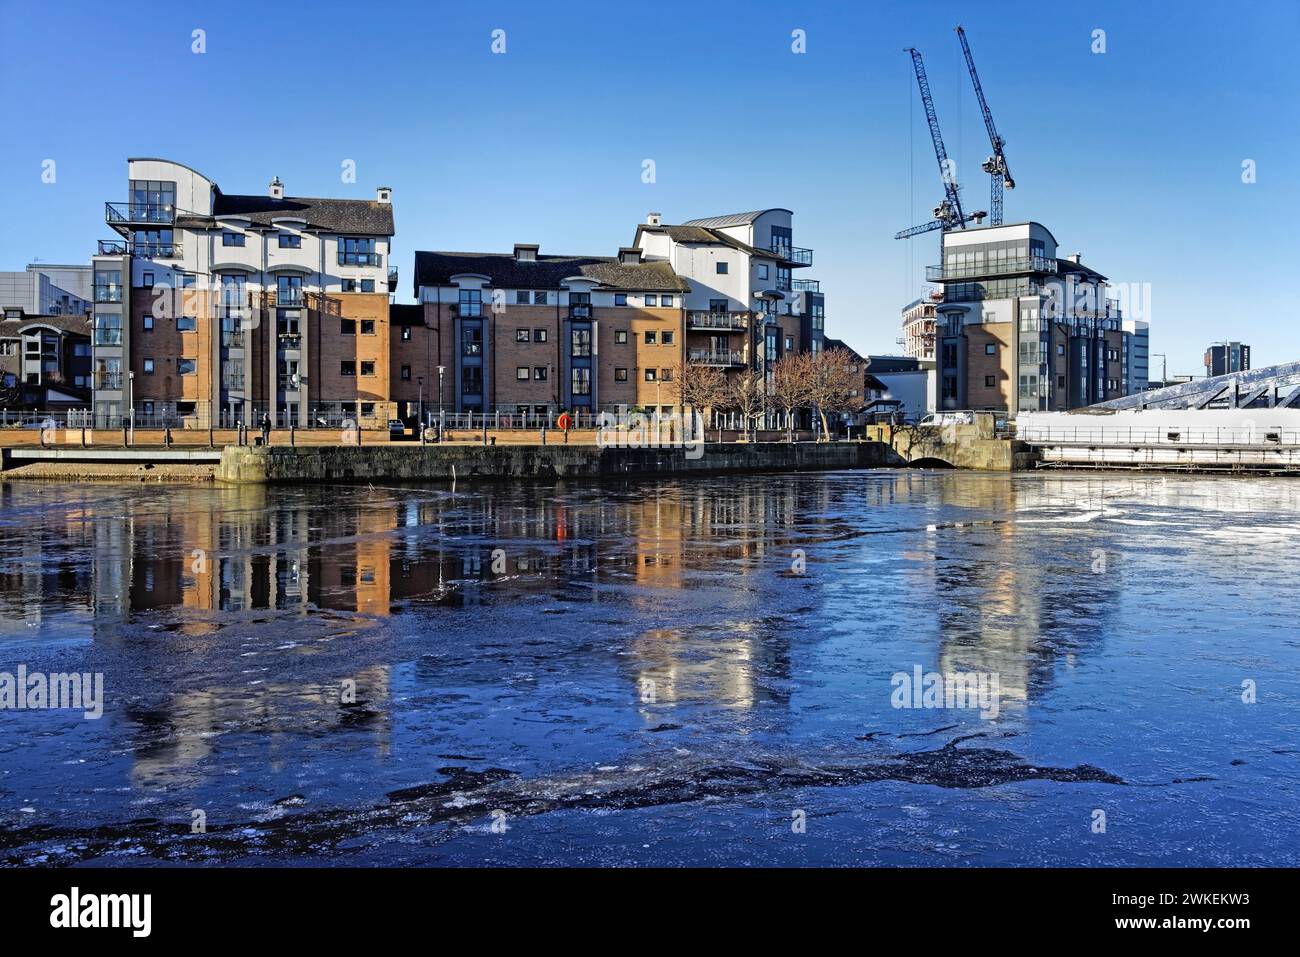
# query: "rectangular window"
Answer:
x=620 y=299
x=651 y=337
x=539 y=373
x=667 y=337
x=147 y=280
x=990 y=349
x=620 y=375
x=990 y=381
x=522 y=335
x=762 y=271
x=288 y=291
x=406 y=333
x=349 y=285
x=1060 y=382
x=347 y=327
x=367 y=327
x=581 y=343
x=471 y=302
x=666 y=375
x=650 y=375
x=368 y=367
x=187 y=323
x=620 y=337
x=665 y=300
x=348 y=367
x=406 y=373
x=521 y=373
x=355 y=251
x=539 y=299
x=471 y=380
x=471 y=341
x=232 y=239
x=290 y=241
x=367 y=285
x=721 y=268
x=185 y=366
x=367 y=409
x=539 y=335
x=651 y=300
x=789 y=343
x=147 y=408
x=522 y=297
x=582 y=381
x=148 y=323
x=148 y=367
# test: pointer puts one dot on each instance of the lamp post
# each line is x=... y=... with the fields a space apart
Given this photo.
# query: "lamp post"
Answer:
x=1164 y=369
x=420 y=379
x=441 y=370
x=130 y=401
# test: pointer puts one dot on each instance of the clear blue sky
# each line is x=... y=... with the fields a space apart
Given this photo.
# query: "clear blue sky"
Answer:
x=1132 y=157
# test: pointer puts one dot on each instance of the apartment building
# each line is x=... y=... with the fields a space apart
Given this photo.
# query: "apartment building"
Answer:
x=222 y=308
x=1019 y=328
x=1137 y=347
x=918 y=327
x=527 y=332
x=45 y=361
x=744 y=308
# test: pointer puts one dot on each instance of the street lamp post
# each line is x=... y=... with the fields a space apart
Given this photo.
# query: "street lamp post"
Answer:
x=441 y=370
x=1164 y=369
x=420 y=379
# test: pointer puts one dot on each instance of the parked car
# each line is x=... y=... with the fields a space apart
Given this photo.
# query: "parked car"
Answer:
x=399 y=431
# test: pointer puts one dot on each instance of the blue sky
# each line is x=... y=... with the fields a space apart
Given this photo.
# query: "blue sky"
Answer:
x=1132 y=157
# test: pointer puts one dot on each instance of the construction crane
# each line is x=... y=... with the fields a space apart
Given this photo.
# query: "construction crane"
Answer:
x=995 y=165
x=948 y=214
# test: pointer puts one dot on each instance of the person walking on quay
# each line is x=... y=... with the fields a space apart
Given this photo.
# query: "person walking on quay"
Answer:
x=266 y=429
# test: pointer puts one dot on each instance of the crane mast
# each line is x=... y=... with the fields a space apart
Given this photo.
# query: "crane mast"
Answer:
x=995 y=165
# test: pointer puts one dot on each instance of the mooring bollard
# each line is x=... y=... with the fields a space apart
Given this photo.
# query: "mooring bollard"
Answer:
x=543 y=435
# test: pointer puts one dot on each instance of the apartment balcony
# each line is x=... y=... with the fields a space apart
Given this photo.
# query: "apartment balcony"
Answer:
x=233 y=383
x=232 y=340
x=806 y=285
x=707 y=357
x=123 y=216
x=108 y=294
x=392 y=279
x=580 y=311
x=793 y=254
x=108 y=381
x=702 y=321
x=290 y=340
x=1006 y=267
x=147 y=250
x=108 y=337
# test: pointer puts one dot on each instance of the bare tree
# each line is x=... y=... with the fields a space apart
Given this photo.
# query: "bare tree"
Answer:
x=702 y=387
x=747 y=394
x=834 y=385
x=791 y=381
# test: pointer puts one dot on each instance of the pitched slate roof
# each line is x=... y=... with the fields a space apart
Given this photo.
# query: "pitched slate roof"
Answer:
x=688 y=233
x=546 y=272
x=362 y=216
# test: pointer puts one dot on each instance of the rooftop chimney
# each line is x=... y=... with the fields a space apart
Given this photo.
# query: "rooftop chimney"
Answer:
x=629 y=255
x=1076 y=258
x=384 y=194
x=276 y=189
x=526 y=252
x=654 y=219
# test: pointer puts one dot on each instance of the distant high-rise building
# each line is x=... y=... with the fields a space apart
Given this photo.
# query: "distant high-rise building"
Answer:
x=918 y=328
x=1223 y=358
x=1137 y=355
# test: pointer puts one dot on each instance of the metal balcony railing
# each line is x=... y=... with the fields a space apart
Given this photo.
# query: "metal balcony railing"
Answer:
x=806 y=285
x=794 y=254
x=707 y=357
x=108 y=294
x=1005 y=267
x=108 y=337
x=111 y=381
x=115 y=213
x=726 y=321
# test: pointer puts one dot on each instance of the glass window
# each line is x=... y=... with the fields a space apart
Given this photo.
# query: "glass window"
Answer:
x=651 y=337
x=762 y=271
x=471 y=302
x=368 y=367
x=620 y=336
x=229 y=238
x=187 y=323
x=665 y=300
x=620 y=299
x=581 y=381
x=347 y=327
x=581 y=343
x=521 y=373
x=185 y=366
x=367 y=285
x=539 y=335
x=367 y=327
x=522 y=297
x=148 y=323
x=539 y=298
x=348 y=367
x=148 y=367
x=721 y=268
x=651 y=300
x=666 y=375
x=357 y=251
x=290 y=241
x=522 y=335
x=471 y=341
x=667 y=338
x=539 y=373
x=620 y=375
x=406 y=333
x=650 y=375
